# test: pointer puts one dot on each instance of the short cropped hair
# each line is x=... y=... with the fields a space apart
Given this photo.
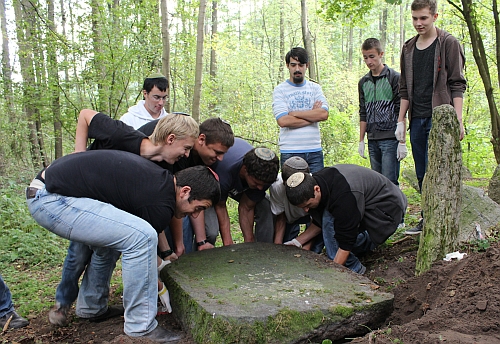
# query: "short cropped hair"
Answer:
x=287 y=169
x=421 y=4
x=372 y=43
x=217 y=131
x=263 y=170
x=160 y=82
x=203 y=182
x=297 y=53
x=181 y=126
x=298 y=194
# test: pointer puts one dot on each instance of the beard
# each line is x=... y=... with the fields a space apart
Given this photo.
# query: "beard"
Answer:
x=298 y=78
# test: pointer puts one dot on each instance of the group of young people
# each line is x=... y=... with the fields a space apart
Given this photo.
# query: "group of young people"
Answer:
x=154 y=186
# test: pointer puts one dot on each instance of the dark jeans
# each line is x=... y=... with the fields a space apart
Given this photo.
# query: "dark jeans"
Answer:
x=313 y=159
x=363 y=244
x=383 y=158
x=419 y=138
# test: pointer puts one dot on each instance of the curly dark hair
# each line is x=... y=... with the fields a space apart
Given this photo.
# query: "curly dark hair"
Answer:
x=264 y=170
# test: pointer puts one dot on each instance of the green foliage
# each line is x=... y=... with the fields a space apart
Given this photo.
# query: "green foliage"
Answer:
x=354 y=10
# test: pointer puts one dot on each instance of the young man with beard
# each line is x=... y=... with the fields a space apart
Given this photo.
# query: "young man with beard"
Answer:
x=432 y=66
x=116 y=200
x=298 y=106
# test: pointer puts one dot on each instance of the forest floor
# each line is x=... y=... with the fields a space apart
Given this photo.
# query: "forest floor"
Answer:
x=454 y=302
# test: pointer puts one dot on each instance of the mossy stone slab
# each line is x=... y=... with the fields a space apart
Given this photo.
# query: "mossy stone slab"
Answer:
x=266 y=293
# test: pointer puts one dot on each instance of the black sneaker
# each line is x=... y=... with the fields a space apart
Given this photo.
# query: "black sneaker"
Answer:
x=17 y=321
x=161 y=335
x=417 y=229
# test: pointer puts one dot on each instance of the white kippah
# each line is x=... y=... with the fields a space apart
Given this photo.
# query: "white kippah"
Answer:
x=295 y=179
x=264 y=153
x=297 y=163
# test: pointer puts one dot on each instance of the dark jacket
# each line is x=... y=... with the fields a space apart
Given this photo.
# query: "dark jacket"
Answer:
x=359 y=199
x=449 y=81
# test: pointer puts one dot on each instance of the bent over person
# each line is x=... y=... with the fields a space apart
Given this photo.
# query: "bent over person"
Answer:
x=357 y=209
x=118 y=200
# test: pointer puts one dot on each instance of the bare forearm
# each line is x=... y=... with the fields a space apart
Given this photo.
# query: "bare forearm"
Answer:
x=341 y=256
x=313 y=115
x=177 y=236
x=82 y=129
x=279 y=228
x=224 y=224
x=289 y=121
x=309 y=234
x=362 y=130
x=246 y=216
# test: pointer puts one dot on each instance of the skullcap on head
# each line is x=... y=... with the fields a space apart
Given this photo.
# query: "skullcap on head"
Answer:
x=295 y=179
x=264 y=153
x=155 y=76
x=296 y=163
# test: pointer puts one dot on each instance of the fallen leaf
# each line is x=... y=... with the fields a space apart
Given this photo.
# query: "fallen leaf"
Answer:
x=231 y=261
x=296 y=255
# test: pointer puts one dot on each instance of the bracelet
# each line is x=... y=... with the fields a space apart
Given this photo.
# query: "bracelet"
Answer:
x=166 y=253
x=201 y=243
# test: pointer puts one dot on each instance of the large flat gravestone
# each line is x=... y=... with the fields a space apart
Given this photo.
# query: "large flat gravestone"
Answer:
x=266 y=293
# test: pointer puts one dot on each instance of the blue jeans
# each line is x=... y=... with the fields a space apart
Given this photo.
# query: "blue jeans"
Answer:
x=383 y=158
x=363 y=244
x=419 y=138
x=314 y=159
x=6 y=305
x=99 y=224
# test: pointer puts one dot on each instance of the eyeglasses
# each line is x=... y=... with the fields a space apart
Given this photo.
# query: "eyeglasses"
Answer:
x=224 y=121
x=158 y=98
x=180 y=113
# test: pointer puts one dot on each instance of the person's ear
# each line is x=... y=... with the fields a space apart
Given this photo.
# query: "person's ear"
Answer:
x=144 y=93
x=170 y=139
x=184 y=192
x=202 y=139
x=381 y=54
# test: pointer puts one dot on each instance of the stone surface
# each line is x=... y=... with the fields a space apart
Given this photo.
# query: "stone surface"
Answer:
x=441 y=189
x=266 y=293
x=494 y=186
x=477 y=208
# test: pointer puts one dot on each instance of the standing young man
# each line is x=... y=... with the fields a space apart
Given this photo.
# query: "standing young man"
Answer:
x=432 y=66
x=155 y=93
x=378 y=113
x=298 y=106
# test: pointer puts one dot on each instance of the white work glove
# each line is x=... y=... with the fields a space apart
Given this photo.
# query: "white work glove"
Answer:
x=293 y=242
x=162 y=265
x=402 y=151
x=165 y=300
x=400 y=132
x=361 y=149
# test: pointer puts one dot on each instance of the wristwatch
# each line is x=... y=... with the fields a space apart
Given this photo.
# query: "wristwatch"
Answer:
x=166 y=253
x=201 y=243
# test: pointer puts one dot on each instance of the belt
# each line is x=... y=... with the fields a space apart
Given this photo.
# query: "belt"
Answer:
x=31 y=192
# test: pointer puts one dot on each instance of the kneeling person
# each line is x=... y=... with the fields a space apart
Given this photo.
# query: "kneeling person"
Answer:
x=357 y=209
x=118 y=200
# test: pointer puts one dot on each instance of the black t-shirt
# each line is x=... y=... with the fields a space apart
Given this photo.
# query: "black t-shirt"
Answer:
x=113 y=134
x=124 y=180
x=423 y=81
x=182 y=163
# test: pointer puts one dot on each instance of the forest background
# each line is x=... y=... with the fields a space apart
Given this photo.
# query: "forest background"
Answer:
x=223 y=58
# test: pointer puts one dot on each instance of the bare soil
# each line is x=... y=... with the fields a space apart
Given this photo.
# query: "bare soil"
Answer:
x=454 y=302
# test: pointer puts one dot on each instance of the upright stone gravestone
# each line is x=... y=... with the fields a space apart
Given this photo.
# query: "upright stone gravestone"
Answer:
x=441 y=189
x=266 y=293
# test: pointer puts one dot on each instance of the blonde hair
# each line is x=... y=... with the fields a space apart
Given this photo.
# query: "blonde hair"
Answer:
x=180 y=125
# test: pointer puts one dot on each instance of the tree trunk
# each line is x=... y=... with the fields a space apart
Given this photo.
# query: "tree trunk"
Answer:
x=306 y=36
x=99 y=66
x=165 y=57
x=350 y=43
x=53 y=75
x=481 y=59
x=383 y=28
x=213 y=57
x=281 y=69
x=24 y=37
x=6 y=67
x=199 y=61
x=441 y=189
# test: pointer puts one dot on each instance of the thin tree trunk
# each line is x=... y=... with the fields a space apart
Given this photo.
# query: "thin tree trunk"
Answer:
x=383 y=28
x=28 y=74
x=6 y=67
x=281 y=69
x=199 y=61
x=350 y=51
x=213 y=54
x=306 y=36
x=481 y=59
x=165 y=56
x=53 y=75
